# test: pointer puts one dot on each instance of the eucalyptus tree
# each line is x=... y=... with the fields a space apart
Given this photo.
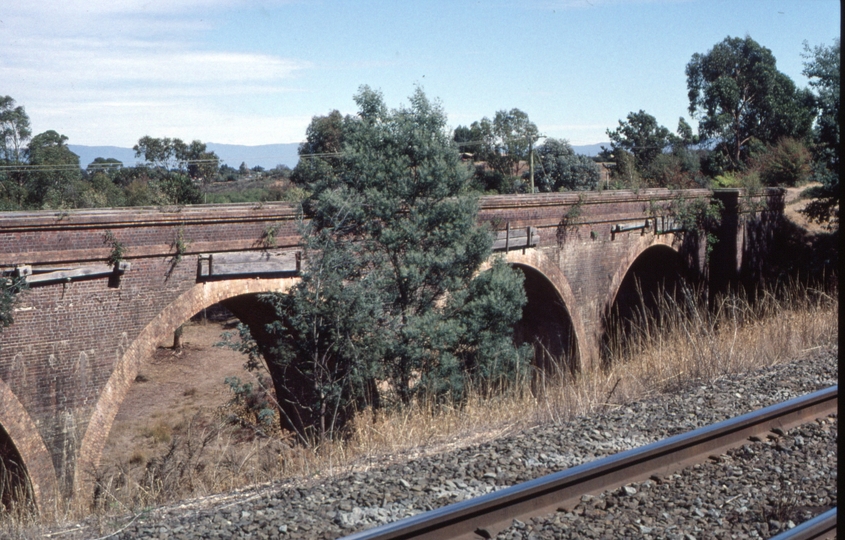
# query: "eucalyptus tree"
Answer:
x=741 y=100
x=559 y=168
x=390 y=291
x=822 y=67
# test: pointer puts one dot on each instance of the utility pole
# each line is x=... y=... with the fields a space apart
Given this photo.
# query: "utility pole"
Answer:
x=531 y=163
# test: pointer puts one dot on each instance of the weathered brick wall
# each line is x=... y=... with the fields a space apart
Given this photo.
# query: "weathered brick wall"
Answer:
x=74 y=349
x=581 y=255
x=67 y=338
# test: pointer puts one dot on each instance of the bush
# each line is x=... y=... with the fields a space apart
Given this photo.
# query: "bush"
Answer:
x=787 y=163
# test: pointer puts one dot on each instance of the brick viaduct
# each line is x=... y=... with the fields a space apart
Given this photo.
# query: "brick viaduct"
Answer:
x=83 y=328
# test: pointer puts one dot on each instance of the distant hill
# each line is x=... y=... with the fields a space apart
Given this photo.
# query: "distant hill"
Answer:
x=590 y=149
x=87 y=154
x=265 y=155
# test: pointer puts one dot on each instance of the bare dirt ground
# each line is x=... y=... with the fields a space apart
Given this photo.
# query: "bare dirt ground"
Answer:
x=794 y=205
x=171 y=389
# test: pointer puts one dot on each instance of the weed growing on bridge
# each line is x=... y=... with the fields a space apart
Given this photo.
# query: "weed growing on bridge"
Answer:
x=268 y=237
x=180 y=245
x=10 y=289
x=118 y=250
x=567 y=223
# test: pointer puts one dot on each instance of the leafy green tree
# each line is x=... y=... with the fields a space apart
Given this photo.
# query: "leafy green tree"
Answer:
x=195 y=159
x=326 y=333
x=389 y=291
x=179 y=188
x=741 y=99
x=54 y=182
x=559 y=168
x=514 y=134
x=502 y=143
x=15 y=131
x=477 y=139
x=109 y=165
x=14 y=134
x=319 y=155
x=642 y=136
x=822 y=67
x=169 y=181
x=157 y=152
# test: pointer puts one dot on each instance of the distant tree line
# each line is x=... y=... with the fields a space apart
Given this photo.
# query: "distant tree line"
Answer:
x=41 y=172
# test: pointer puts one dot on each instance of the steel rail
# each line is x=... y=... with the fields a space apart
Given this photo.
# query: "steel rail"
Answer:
x=821 y=526
x=485 y=516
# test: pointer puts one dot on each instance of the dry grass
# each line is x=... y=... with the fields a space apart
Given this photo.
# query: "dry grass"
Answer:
x=688 y=343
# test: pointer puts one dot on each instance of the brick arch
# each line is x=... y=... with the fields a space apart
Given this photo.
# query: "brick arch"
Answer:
x=30 y=446
x=634 y=253
x=539 y=261
x=127 y=365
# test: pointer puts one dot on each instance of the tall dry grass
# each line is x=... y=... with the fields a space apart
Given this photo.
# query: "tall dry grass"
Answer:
x=688 y=342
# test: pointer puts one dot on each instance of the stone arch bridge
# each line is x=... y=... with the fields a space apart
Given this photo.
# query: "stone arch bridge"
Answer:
x=85 y=327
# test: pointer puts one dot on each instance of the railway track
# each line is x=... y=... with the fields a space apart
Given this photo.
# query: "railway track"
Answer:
x=485 y=516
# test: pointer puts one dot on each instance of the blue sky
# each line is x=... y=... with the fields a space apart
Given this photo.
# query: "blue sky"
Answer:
x=107 y=72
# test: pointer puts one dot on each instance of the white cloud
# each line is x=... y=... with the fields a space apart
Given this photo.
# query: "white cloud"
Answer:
x=106 y=72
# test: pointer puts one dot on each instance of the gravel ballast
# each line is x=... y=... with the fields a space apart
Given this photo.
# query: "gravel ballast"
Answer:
x=751 y=492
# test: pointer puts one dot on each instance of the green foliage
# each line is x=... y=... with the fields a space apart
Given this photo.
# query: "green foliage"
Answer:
x=501 y=143
x=514 y=134
x=118 y=250
x=695 y=215
x=727 y=180
x=823 y=69
x=625 y=174
x=253 y=405
x=10 y=289
x=642 y=136
x=180 y=246
x=319 y=154
x=692 y=214
x=787 y=163
x=387 y=291
x=491 y=182
x=14 y=131
x=567 y=222
x=56 y=181
x=268 y=237
x=178 y=188
x=648 y=154
x=561 y=169
x=739 y=96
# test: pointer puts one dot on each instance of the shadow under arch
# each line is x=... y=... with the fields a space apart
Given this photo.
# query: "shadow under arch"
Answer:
x=656 y=273
x=127 y=364
x=23 y=456
x=547 y=324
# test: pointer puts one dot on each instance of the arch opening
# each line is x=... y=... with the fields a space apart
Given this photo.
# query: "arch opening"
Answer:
x=191 y=420
x=652 y=284
x=547 y=325
x=16 y=493
x=137 y=354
